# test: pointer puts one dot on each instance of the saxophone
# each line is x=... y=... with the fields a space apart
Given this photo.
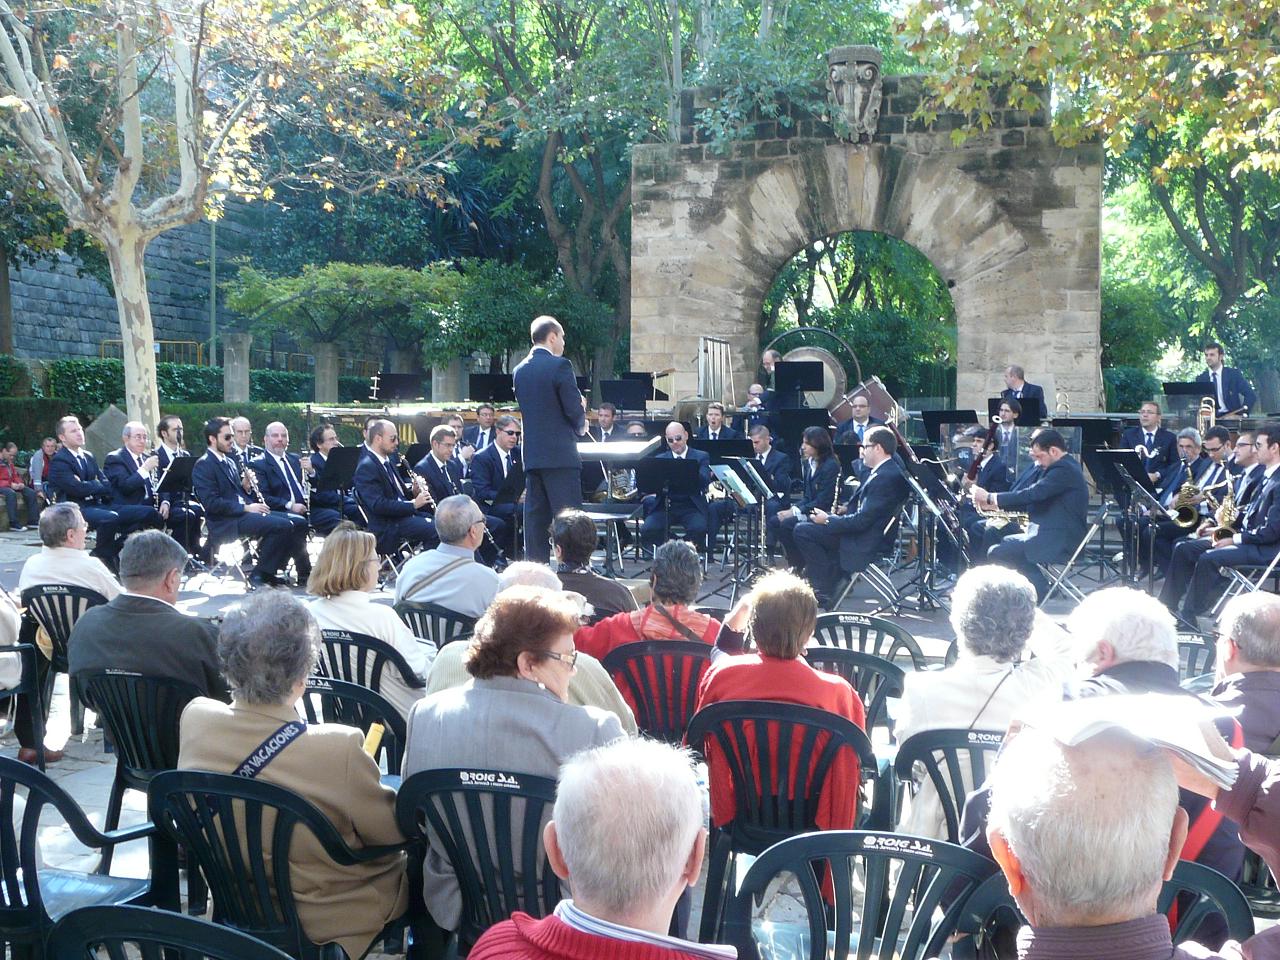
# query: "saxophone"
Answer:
x=1226 y=516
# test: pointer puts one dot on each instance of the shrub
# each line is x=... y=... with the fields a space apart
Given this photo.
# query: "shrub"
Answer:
x=1129 y=387
x=188 y=383
x=15 y=378
x=280 y=386
x=28 y=420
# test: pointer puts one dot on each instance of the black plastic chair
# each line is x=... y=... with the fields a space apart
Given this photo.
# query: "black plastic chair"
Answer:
x=773 y=800
x=30 y=906
x=56 y=607
x=360 y=658
x=660 y=679
x=113 y=933
x=877 y=635
x=908 y=896
x=956 y=763
x=489 y=826
x=1196 y=655
x=874 y=678
x=430 y=621
x=217 y=817
x=29 y=687
x=357 y=706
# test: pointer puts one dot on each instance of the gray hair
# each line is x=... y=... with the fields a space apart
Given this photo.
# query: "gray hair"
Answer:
x=526 y=573
x=131 y=426
x=267 y=644
x=505 y=420
x=149 y=555
x=1190 y=433
x=1134 y=623
x=1090 y=824
x=57 y=521
x=630 y=859
x=677 y=572
x=993 y=611
x=1252 y=622
x=454 y=517
x=244 y=420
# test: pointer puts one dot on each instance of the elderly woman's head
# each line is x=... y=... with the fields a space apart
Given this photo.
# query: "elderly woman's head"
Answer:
x=993 y=610
x=783 y=614
x=348 y=561
x=268 y=647
x=676 y=574
x=527 y=632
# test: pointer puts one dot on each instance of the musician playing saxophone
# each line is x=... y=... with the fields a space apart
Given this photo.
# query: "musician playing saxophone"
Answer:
x=1211 y=485
x=1192 y=466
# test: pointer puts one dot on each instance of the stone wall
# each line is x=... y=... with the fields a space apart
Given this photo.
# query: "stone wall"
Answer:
x=1009 y=218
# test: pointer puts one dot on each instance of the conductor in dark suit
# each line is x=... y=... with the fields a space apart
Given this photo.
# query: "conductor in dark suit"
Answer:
x=141 y=631
x=715 y=427
x=555 y=415
x=691 y=511
x=1056 y=505
x=833 y=545
x=394 y=514
x=1154 y=438
x=1227 y=385
x=1030 y=395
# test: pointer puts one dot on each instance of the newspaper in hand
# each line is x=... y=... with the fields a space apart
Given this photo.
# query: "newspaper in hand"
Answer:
x=1177 y=723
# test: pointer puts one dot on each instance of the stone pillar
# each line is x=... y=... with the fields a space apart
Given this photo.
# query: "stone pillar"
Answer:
x=235 y=366
x=326 y=372
x=448 y=382
x=405 y=361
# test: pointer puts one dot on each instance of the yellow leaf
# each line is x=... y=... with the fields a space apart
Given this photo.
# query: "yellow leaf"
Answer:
x=329 y=207
x=60 y=62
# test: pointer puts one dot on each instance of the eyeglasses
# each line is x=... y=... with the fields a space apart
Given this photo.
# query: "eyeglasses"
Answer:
x=570 y=658
x=512 y=433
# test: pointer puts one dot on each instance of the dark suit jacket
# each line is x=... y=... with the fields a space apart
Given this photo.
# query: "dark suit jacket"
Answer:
x=274 y=487
x=1260 y=525
x=1246 y=490
x=128 y=487
x=820 y=486
x=379 y=496
x=684 y=501
x=617 y=433
x=777 y=472
x=440 y=485
x=993 y=476
x=69 y=481
x=845 y=432
x=1236 y=390
x=1165 y=445
x=1027 y=477
x=221 y=496
x=471 y=435
x=1032 y=400
x=1059 y=504
x=726 y=433
x=332 y=499
x=1176 y=475
x=868 y=526
x=551 y=407
x=487 y=476
x=147 y=636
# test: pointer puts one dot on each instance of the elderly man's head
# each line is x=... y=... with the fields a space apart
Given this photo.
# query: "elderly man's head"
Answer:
x=527 y=573
x=151 y=563
x=631 y=866
x=268 y=648
x=1085 y=835
x=993 y=611
x=676 y=574
x=1122 y=625
x=1249 y=634
x=459 y=522
x=62 y=525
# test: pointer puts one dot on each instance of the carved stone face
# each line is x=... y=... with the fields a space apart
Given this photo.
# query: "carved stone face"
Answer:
x=854 y=92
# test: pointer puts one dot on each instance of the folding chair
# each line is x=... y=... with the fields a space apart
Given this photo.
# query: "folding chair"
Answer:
x=1060 y=573
x=1239 y=581
x=876 y=577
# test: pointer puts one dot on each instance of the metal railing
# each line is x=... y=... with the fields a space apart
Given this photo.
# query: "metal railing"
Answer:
x=167 y=351
x=306 y=363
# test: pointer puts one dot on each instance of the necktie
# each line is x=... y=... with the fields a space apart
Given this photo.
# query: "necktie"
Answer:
x=861 y=428
x=484 y=439
x=716 y=435
x=395 y=481
x=1150 y=441
x=294 y=487
x=1217 y=390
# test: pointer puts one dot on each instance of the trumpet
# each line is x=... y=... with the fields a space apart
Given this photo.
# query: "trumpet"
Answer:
x=1207 y=415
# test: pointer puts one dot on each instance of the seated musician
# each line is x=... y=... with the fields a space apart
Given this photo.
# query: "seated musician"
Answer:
x=774 y=468
x=464 y=450
x=854 y=430
x=833 y=544
x=1057 y=505
x=986 y=470
x=243 y=449
x=74 y=477
x=691 y=511
x=1245 y=469
x=445 y=474
x=1191 y=465
x=185 y=515
x=595 y=481
x=716 y=428
x=819 y=472
x=1161 y=444
x=1194 y=570
x=1213 y=480
x=393 y=512
x=279 y=474
x=321 y=440
x=755 y=410
x=1029 y=395
x=606 y=425
x=984 y=532
x=222 y=486
x=1227 y=385
x=134 y=475
x=490 y=470
x=480 y=433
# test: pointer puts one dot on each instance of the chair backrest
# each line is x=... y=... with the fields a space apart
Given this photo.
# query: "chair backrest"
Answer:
x=1196 y=654
x=874 y=678
x=430 y=621
x=1203 y=892
x=233 y=827
x=889 y=896
x=876 y=635
x=110 y=933
x=956 y=763
x=142 y=714
x=660 y=679
x=357 y=706
x=781 y=757
x=489 y=825
x=361 y=658
x=57 y=607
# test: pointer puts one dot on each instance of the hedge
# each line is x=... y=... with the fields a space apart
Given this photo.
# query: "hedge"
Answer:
x=1129 y=387
x=15 y=378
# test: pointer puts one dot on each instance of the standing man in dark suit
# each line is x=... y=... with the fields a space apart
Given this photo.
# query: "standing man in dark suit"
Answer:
x=480 y=433
x=1029 y=395
x=490 y=470
x=74 y=476
x=393 y=514
x=854 y=430
x=689 y=510
x=1162 y=444
x=231 y=513
x=716 y=428
x=833 y=545
x=555 y=415
x=1056 y=505
x=1227 y=385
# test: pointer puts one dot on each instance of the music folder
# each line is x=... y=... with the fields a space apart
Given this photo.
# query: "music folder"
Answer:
x=339 y=469
x=177 y=476
x=734 y=484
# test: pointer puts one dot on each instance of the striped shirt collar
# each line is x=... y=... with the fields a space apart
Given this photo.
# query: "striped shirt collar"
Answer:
x=572 y=917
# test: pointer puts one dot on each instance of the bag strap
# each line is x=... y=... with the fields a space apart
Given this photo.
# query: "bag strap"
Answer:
x=270 y=748
x=435 y=575
x=680 y=627
x=987 y=702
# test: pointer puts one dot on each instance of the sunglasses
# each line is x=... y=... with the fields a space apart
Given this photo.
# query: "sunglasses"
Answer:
x=675 y=439
x=512 y=433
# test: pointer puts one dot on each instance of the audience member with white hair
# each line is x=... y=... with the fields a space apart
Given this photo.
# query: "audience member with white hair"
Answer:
x=528 y=573
x=1129 y=641
x=1248 y=667
x=625 y=871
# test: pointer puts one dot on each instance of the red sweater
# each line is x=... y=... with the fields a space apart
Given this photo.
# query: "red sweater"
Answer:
x=524 y=938
x=631 y=626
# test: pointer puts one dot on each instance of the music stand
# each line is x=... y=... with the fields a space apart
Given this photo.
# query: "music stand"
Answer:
x=722 y=451
x=668 y=477
x=645 y=377
x=849 y=455
x=176 y=481
x=793 y=423
x=627 y=394
x=1184 y=397
x=400 y=386
x=792 y=378
x=492 y=387
x=339 y=469
x=935 y=419
x=415 y=452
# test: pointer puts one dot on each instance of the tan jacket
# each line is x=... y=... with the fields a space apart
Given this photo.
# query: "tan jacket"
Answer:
x=328 y=767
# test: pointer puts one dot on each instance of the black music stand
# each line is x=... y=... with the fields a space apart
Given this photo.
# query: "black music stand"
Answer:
x=491 y=387
x=1184 y=397
x=724 y=451
x=793 y=423
x=791 y=378
x=176 y=482
x=627 y=395
x=935 y=510
x=415 y=452
x=935 y=419
x=666 y=478
x=849 y=455
x=645 y=377
x=339 y=471
x=1140 y=497
x=400 y=386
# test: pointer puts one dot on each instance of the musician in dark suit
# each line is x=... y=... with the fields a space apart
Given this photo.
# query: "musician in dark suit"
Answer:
x=1227 y=385
x=490 y=470
x=819 y=471
x=392 y=514
x=716 y=428
x=231 y=512
x=74 y=476
x=758 y=409
x=983 y=534
x=1149 y=434
x=134 y=475
x=832 y=544
x=480 y=434
x=990 y=475
x=606 y=428
x=185 y=517
x=1209 y=471
x=691 y=511
x=1197 y=563
x=170 y=434
x=854 y=430
x=1057 y=507
x=555 y=415
x=280 y=475
x=444 y=476
x=774 y=467
x=1190 y=465
x=1030 y=395
x=243 y=449
x=323 y=439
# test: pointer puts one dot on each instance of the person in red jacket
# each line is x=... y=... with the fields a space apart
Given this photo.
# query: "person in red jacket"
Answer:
x=625 y=871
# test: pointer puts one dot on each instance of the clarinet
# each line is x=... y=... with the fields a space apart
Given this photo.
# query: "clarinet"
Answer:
x=154 y=477
x=247 y=473
x=416 y=479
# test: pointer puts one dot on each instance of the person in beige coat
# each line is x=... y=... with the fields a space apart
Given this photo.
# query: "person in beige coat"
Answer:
x=268 y=648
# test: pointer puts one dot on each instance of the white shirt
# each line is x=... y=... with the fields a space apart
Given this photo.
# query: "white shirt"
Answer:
x=69 y=566
x=1215 y=376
